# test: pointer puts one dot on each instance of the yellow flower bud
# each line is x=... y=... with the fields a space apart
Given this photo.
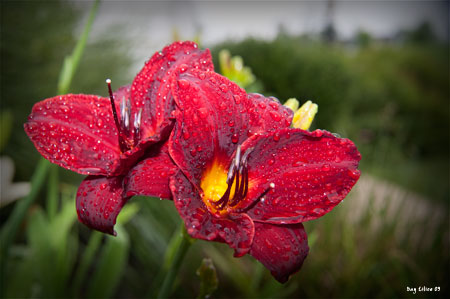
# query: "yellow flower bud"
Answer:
x=292 y=103
x=304 y=116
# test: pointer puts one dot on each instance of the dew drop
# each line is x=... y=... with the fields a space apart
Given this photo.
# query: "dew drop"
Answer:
x=203 y=113
x=235 y=138
x=186 y=135
x=183 y=83
x=326 y=167
x=223 y=87
x=275 y=115
x=354 y=173
x=318 y=211
x=183 y=68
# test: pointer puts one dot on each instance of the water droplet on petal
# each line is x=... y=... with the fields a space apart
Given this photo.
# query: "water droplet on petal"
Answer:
x=183 y=83
x=223 y=87
x=354 y=173
x=183 y=68
x=326 y=167
x=235 y=138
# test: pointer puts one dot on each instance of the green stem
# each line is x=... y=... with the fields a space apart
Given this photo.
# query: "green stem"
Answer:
x=52 y=192
x=184 y=242
x=86 y=261
x=71 y=62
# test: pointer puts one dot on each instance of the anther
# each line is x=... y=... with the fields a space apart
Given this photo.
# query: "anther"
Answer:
x=272 y=185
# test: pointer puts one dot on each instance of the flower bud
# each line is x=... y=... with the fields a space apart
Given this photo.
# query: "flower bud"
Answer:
x=304 y=116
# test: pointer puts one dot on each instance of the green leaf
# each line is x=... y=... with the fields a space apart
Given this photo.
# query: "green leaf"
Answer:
x=111 y=265
x=6 y=122
x=86 y=261
x=128 y=212
x=208 y=278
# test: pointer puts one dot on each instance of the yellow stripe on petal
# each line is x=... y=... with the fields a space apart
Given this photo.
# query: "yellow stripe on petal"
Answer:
x=304 y=116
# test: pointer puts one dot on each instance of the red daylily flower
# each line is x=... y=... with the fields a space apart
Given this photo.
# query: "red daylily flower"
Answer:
x=246 y=178
x=119 y=142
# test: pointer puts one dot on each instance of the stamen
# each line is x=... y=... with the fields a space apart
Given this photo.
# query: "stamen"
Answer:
x=246 y=154
x=128 y=113
x=122 y=144
x=230 y=173
x=126 y=122
x=237 y=159
x=122 y=109
x=137 y=125
x=113 y=106
x=137 y=119
x=237 y=174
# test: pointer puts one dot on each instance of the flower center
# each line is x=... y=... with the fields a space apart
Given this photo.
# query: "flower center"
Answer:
x=128 y=135
x=223 y=190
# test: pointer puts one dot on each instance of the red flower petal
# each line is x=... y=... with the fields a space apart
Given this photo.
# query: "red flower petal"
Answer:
x=99 y=201
x=76 y=132
x=236 y=230
x=268 y=114
x=151 y=87
x=214 y=116
x=150 y=177
x=311 y=172
x=281 y=248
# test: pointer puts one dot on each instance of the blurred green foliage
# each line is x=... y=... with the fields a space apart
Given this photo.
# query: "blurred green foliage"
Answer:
x=35 y=38
x=391 y=99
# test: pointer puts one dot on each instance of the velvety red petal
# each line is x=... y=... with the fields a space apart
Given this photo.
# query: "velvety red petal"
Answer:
x=215 y=115
x=76 y=132
x=237 y=230
x=280 y=248
x=99 y=201
x=267 y=114
x=151 y=87
x=296 y=176
x=150 y=177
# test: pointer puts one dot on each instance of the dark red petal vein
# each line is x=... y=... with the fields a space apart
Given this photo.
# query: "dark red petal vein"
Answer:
x=151 y=87
x=76 y=132
x=237 y=230
x=281 y=248
x=310 y=172
x=99 y=201
x=150 y=177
